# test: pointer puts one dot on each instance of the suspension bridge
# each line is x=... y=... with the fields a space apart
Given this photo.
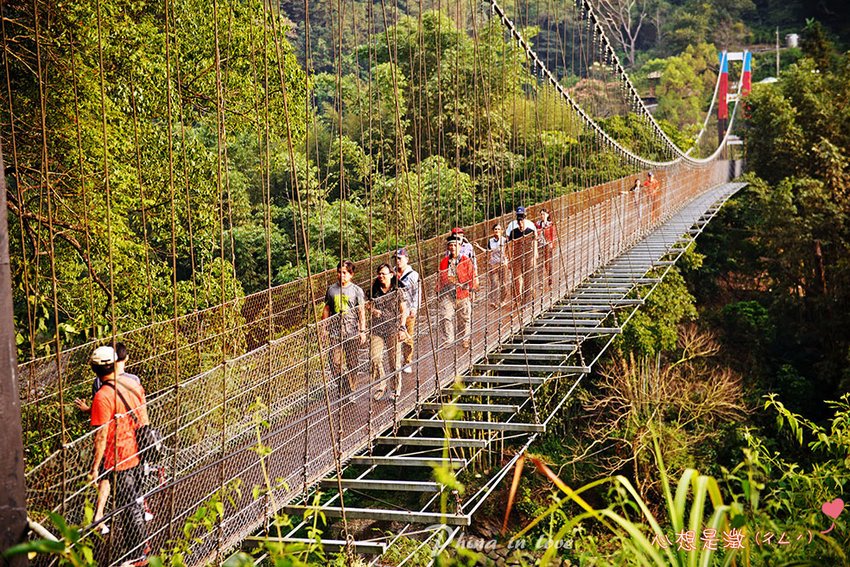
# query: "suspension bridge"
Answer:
x=240 y=384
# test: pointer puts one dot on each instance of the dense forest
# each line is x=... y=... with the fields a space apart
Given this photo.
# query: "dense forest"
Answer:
x=164 y=162
x=154 y=173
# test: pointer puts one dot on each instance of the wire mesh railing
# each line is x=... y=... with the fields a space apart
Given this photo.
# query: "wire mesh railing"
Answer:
x=276 y=353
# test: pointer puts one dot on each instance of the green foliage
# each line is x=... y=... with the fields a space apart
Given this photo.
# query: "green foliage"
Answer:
x=775 y=138
x=687 y=82
x=654 y=327
x=643 y=536
x=748 y=324
x=785 y=240
x=404 y=547
x=139 y=169
x=817 y=46
x=70 y=548
x=198 y=525
x=785 y=495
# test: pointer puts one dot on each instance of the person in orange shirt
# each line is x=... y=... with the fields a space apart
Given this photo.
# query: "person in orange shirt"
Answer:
x=103 y=487
x=118 y=409
x=546 y=242
x=653 y=191
x=455 y=280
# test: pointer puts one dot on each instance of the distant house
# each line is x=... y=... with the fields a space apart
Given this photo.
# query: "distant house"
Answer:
x=651 y=100
x=654 y=78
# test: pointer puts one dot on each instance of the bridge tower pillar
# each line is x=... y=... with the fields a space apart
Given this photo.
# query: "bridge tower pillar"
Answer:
x=722 y=97
x=13 y=494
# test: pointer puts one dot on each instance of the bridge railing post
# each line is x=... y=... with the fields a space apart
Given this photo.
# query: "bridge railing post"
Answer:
x=13 y=496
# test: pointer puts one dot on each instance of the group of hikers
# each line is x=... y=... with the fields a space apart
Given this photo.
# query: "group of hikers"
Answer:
x=515 y=256
x=519 y=257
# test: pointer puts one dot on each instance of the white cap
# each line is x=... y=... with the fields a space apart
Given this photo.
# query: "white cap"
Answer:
x=103 y=355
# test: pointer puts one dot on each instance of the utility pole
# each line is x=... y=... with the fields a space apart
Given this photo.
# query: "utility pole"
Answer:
x=13 y=491
x=777 y=52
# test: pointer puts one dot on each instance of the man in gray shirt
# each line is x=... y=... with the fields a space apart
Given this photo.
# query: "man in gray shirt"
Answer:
x=408 y=283
x=347 y=331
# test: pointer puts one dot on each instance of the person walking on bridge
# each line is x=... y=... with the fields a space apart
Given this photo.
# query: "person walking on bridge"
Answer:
x=117 y=411
x=388 y=310
x=497 y=266
x=455 y=281
x=523 y=256
x=546 y=242
x=409 y=284
x=467 y=249
x=653 y=193
x=103 y=487
x=347 y=332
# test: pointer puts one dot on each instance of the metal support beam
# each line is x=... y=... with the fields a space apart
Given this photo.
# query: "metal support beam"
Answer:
x=483 y=425
x=524 y=356
x=596 y=295
x=492 y=408
x=575 y=319
x=385 y=515
x=433 y=441
x=396 y=461
x=614 y=303
x=574 y=329
x=565 y=312
x=486 y=392
x=548 y=339
x=478 y=378
x=333 y=545
x=375 y=484
x=565 y=349
x=525 y=368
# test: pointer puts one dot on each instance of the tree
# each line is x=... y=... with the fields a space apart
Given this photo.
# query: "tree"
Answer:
x=816 y=45
x=686 y=84
x=626 y=19
x=138 y=176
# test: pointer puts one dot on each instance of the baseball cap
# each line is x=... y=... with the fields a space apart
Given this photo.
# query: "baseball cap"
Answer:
x=400 y=252
x=453 y=238
x=520 y=211
x=457 y=230
x=103 y=356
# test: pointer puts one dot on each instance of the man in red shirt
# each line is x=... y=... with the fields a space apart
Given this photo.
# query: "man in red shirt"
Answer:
x=454 y=282
x=546 y=242
x=653 y=191
x=117 y=410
